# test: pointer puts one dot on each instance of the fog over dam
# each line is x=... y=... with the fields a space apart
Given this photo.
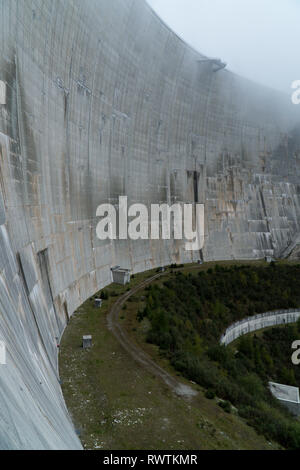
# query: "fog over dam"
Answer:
x=100 y=99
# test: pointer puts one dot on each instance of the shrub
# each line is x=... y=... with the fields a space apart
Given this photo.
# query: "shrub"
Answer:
x=225 y=405
x=187 y=314
x=104 y=295
x=253 y=384
x=210 y=394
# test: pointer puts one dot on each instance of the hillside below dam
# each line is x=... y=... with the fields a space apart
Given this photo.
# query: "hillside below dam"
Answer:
x=100 y=99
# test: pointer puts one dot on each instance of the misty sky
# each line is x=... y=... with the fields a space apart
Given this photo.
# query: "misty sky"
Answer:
x=259 y=39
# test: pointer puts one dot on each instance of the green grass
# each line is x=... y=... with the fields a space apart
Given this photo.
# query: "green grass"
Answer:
x=116 y=404
x=184 y=317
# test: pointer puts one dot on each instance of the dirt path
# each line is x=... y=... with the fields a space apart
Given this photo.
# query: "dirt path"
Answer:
x=138 y=354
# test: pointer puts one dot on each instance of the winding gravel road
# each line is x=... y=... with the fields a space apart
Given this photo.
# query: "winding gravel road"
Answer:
x=138 y=354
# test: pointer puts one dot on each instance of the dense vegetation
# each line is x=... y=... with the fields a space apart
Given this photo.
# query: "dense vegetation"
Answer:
x=187 y=315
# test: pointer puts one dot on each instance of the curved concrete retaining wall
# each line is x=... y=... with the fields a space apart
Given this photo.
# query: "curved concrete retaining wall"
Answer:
x=100 y=99
x=258 y=322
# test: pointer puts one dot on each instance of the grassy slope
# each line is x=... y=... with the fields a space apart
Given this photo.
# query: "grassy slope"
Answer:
x=116 y=404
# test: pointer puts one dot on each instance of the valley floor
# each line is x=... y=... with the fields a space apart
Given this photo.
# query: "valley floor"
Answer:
x=118 y=403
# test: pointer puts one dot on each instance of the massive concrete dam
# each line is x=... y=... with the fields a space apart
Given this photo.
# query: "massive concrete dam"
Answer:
x=100 y=99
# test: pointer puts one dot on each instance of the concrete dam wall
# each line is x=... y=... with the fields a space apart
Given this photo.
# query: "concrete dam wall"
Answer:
x=99 y=99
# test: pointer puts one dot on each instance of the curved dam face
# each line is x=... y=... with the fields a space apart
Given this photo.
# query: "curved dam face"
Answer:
x=99 y=99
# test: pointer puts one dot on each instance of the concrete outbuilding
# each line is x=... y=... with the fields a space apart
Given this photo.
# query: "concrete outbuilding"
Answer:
x=87 y=341
x=98 y=303
x=120 y=275
x=288 y=396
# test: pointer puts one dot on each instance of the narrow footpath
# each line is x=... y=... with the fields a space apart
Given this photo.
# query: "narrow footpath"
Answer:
x=138 y=354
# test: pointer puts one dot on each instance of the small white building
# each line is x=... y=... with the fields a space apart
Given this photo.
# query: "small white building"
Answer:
x=287 y=395
x=98 y=303
x=120 y=275
x=86 y=341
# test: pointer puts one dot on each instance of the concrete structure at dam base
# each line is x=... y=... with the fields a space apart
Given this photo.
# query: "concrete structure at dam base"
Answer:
x=288 y=397
x=99 y=99
x=259 y=322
